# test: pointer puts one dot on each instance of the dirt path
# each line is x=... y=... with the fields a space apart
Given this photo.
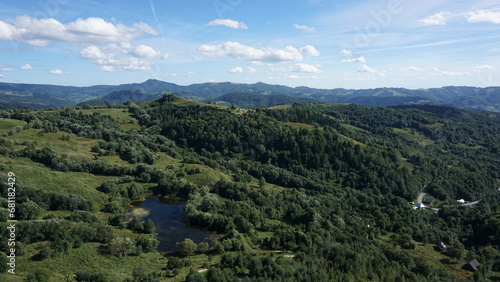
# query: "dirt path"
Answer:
x=420 y=198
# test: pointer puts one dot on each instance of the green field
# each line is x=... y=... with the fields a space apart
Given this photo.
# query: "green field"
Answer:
x=7 y=124
x=414 y=136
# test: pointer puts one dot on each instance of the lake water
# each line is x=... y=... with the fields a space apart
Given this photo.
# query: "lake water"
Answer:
x=169 y=223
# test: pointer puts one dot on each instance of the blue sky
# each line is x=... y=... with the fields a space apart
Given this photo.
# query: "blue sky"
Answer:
x=316 y=43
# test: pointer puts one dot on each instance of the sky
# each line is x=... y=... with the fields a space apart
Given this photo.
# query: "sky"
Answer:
x=355 y=44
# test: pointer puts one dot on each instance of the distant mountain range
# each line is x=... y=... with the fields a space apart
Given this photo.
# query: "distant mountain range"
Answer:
x=37 y=96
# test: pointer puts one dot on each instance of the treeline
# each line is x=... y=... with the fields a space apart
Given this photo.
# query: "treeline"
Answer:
x=341 y=211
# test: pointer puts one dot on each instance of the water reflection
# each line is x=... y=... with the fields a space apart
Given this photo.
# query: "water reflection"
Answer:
x=169 y=223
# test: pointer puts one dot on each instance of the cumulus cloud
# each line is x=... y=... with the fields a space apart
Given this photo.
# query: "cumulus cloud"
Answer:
x=229 y=23
x=27 y=67
x=42 y=32
x=240 y=51
x=2 y=75
x=56 y=72
x=304 y=28
x=125 y=63
x=144 y=51
x=365 y=68
x=437 y=19
x=309 y=50
x=236 y=70
x=7 y=69
x=121 y=56
x=92 y=52
x=411 y=68
x=300 y=67
x=484 y=16
x=252 y=70
x=354 y=60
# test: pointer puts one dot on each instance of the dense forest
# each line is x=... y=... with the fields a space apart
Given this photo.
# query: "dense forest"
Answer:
x=40 y=96
x=301 y=192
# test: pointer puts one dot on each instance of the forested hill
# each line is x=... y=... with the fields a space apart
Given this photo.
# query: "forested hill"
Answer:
x=38 y=96
x=300 y=192
x=252 y=101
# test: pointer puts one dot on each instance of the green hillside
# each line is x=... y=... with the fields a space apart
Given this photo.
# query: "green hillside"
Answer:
x=40 y=96
x=302 y=192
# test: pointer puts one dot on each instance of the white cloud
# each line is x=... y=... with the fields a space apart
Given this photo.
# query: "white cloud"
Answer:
x=124 y=63
x=92 y=52
x=189 y=74
x=42 y=32
x=165 y=56
x=144 y=51
x=304 y=28
x=484 y=67
x=252 y=70
x=236 y=70
x=346 y=52
x=437 y=19
x=7 y=69
x=354 y=60
x=483 y=16
x=117 y=57
x=27 y=67
x=300 y=67
x=240 y=51
x=411 y=68
x=309 y=50
x=451 y=73
x=56 y=72
x=446 y=73
x=292 y=76
x=106 y=68
x=2 y=75
x=365 y=68
x=145 y=28
x=228 y=23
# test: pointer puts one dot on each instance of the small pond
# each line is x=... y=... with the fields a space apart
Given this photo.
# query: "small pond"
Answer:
x=169 y=222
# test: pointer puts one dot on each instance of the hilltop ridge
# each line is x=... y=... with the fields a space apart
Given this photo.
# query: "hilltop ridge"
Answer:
x=38 y=96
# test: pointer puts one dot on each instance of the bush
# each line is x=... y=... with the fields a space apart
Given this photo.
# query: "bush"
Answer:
x=135 y=225
x=86 y=276
x=149 y=227
x=107 y=186
x=147 y=243
x=117 y=220
x=3 y=263
x=186 y=248
x=44 y=253
x=82 y=216
x=121 y=246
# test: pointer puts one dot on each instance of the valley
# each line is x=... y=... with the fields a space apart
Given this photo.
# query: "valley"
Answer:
x=311 y=191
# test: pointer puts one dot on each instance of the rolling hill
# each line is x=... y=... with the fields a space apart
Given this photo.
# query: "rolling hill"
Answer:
x=310 y=191
x=39 y=96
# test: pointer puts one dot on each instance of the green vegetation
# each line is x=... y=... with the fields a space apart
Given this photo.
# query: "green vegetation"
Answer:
x=36 y=96
x=307 y=192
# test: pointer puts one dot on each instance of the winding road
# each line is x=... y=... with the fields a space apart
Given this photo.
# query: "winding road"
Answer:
x=420 y=198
